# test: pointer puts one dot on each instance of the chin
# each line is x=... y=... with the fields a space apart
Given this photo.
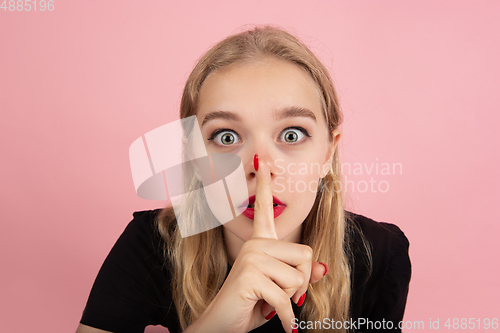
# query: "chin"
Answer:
x=290 y=234
x=242 y=227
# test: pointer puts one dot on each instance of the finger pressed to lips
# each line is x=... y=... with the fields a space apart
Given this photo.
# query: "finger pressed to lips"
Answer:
x=288 y=276
x=263 y=225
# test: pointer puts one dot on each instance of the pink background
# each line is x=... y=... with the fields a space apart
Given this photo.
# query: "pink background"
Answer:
x=418 y=82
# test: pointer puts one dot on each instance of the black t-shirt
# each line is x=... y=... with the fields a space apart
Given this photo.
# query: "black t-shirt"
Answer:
x=132 y=288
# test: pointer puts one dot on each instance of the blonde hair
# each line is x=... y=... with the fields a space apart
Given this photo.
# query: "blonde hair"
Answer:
x=199 y=263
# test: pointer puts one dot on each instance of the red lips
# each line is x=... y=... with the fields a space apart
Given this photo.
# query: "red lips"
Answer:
x=250 y=212
x=251 y=200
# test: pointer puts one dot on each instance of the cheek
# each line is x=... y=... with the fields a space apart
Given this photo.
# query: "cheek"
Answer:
x=299 y=177
x=297 y=186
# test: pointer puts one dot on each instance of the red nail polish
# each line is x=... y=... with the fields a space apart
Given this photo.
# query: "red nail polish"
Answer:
x=269 y=316
x=256 y=162
x=301 y=300
x=326 y=268
x=295 y=330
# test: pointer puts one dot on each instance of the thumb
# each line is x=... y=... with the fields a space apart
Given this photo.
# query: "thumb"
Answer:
x=267 y=311
x=318 y=271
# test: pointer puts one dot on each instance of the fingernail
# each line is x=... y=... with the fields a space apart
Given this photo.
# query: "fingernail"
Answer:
x=256 y=162
x=301 y=300
x=269 y=316
x=295 y=330
x=326 y=267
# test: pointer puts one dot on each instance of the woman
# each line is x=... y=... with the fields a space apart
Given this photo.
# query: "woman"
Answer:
x=296 y=260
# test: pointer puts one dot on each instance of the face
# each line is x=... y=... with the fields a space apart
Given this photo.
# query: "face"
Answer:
x=271 y=108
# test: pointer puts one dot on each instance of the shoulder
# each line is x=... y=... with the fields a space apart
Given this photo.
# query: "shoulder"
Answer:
x=143 y=222
x=131 y=289
x=382 y=242
x=139 y=239
x=381 y=236
x=381 y=267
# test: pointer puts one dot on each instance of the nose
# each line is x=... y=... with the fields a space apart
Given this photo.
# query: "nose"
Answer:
x=266 y=151
x=263 y=157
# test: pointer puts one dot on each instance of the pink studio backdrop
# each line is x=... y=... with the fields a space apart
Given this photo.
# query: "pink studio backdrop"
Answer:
x=418 y=82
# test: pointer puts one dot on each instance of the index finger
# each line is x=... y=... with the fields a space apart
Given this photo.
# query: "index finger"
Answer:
x=263 y=223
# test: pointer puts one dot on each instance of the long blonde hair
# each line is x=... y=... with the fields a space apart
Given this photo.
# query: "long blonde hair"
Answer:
x=199 y=263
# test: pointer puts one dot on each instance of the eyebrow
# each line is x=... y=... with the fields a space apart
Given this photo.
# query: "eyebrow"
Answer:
x=288 y=112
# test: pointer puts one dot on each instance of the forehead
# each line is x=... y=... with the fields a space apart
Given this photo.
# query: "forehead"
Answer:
x=259 y=86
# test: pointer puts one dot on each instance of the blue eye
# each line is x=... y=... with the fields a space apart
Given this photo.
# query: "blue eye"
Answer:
x=225 y=137
x=293 y=134
x=228 y=137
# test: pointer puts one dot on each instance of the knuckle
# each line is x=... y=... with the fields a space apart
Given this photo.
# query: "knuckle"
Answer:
x=252 y=244
x=246 y=276
x=283 y=301
x=246 y=246
x=250 y=259
x=249 y=271
x=307 y=252
x=249 y=246
x=300 y=280
x=258 y=242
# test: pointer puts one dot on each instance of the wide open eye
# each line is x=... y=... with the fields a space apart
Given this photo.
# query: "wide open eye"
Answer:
x=293 y=134
x=225 y=137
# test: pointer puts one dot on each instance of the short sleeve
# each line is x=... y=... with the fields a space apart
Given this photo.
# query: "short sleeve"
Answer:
x=131 y=290
x=390 y=304
x=380 y=277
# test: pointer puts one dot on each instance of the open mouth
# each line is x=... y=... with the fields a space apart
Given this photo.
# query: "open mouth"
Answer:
x=249 y=211
x=250 y=203
x=253 y=205
x=278 y=208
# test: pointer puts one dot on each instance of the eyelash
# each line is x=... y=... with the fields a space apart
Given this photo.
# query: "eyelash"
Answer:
x=222 y=130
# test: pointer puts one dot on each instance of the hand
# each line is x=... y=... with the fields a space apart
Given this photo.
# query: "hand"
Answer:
x=266 y=274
